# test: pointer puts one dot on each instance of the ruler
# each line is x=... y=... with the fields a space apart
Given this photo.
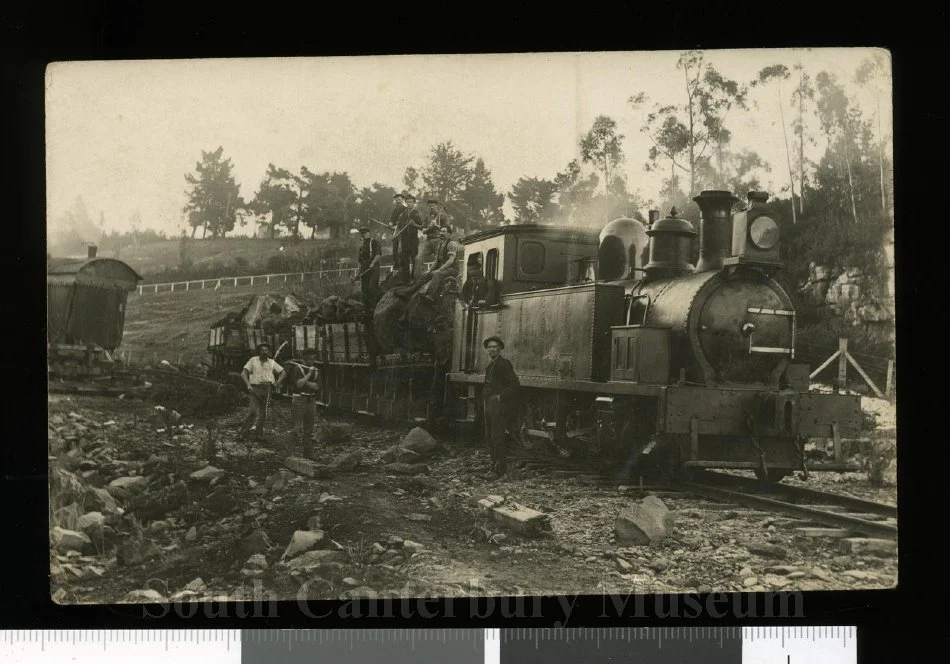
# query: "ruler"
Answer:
x=656 y=645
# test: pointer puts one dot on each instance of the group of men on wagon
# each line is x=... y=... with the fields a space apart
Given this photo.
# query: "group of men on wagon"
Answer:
x=406 y=223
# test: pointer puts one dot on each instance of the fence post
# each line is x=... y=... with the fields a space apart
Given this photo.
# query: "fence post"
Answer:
x=889 y=386
x=268 y=278
x=842 y=365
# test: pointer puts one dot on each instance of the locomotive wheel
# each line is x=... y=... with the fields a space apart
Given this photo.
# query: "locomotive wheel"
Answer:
x=527 y=419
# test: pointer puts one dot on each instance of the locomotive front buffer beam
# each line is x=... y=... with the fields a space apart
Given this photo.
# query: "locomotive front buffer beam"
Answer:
x=723 y=427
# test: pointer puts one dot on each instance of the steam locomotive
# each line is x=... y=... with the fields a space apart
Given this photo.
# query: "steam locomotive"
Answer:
x=625 y=349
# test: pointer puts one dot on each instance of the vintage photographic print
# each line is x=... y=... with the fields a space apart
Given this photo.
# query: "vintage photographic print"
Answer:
x=471 y=325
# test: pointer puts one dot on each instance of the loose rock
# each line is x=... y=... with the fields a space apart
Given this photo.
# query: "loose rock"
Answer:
x=207 y=474
x=407 y=468
x=132 y=485
x=303 y=540
x=648 y=521
x=69 y=540
x=346 y=463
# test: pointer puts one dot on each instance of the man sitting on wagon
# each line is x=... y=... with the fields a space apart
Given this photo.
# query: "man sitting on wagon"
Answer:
x=446 y=266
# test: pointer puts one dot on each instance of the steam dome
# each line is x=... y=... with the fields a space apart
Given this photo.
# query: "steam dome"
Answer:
x=623 y=249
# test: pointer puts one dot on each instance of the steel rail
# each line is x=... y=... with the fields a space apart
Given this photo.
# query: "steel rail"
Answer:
x=843 y=521
x=806 y=493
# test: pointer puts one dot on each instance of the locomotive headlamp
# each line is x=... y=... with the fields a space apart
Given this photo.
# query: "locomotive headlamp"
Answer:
x=764 y=232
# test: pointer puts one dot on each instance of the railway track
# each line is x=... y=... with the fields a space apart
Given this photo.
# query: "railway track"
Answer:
x=846 y=514
x=811 y=506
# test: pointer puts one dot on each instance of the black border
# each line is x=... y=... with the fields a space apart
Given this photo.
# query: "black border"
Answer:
x=890 y=622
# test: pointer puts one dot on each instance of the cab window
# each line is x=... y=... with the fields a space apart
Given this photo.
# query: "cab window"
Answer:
x=531 y=258
x=473 y=266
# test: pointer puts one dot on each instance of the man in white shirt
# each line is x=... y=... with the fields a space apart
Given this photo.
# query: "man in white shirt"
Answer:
x=260 y=374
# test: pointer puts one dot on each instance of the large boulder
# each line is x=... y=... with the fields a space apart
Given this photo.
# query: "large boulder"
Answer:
x=647 y=521
x=418 y=444
x=99 y=500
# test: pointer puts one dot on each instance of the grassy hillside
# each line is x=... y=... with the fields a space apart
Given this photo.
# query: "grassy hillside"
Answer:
x=161 y=260
x=166 y=326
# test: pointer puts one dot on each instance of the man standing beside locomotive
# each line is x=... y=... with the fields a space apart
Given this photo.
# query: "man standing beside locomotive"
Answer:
x=260 y=374
x=500 y=395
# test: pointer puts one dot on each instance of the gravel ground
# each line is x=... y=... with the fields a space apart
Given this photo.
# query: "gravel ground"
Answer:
x=383 y=533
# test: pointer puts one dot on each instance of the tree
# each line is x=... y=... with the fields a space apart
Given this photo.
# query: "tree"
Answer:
x=839 y=122
x=803 y=94
x=374 y=203
x=874 y=73
x=601 y=146
x=447 y=172
x=328 y=200
x=277 y=196
x=576 y=195
x=682 y=132
x=410 y=180
x=533 y=200
x=479 y=200
x=213 y=195
x=779 y=73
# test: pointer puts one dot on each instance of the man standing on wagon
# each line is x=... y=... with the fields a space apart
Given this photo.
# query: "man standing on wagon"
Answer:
x=398 y=219
x=500 y=395
x=410 y=245
x=261 y=374
x=368 y=261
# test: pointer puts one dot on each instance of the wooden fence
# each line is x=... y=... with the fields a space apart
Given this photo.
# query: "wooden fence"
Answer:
x=233 y=282
x=844 y=360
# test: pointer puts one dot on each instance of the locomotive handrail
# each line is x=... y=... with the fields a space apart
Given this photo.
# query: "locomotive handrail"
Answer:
x=645 y=311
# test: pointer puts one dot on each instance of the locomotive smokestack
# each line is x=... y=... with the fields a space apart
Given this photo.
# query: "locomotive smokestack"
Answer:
x=654 y=215
x=92 y=249
x=715 y=228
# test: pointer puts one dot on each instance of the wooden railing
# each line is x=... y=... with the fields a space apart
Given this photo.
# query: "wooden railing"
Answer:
x=250 y=280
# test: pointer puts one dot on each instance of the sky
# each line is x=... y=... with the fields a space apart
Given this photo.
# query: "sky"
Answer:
x=122 y=134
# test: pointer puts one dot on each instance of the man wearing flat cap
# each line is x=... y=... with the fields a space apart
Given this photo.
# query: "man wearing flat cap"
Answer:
x=260 y=375
x=500 y=395
x=397 y=221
